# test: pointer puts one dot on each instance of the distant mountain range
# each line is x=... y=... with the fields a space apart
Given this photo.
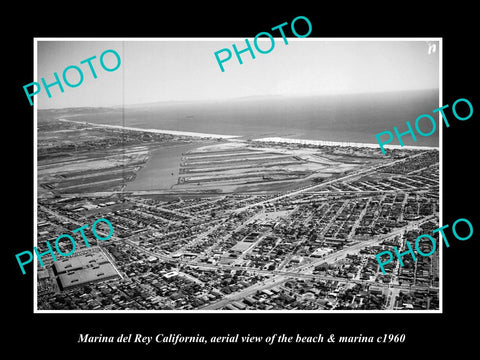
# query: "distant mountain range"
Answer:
x=267 y=99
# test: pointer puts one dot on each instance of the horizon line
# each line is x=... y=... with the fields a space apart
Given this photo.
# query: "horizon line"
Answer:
x=252 y=97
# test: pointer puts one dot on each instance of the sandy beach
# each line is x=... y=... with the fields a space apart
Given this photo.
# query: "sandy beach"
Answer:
x=157 y=131
x=266 y=139
x=337 y=143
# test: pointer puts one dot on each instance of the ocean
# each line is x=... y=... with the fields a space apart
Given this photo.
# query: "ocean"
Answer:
x=345 y=118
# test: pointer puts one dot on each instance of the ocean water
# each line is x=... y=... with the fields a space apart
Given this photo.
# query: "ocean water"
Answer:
x=346 y=118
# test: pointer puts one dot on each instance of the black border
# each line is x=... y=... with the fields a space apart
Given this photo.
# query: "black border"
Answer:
x=428 y=332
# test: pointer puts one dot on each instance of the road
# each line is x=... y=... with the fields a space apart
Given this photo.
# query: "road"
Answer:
x=302 y=271
x=281 y=276
x=355 y=173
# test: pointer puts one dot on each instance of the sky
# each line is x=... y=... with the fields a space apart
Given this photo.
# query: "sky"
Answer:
x=186 y=69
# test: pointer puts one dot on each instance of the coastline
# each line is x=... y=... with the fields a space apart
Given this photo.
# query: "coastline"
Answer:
x=156 y=131
x=276 y=140
x=338 y=143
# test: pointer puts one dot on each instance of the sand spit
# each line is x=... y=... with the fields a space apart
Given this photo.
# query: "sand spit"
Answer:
x=156 y=131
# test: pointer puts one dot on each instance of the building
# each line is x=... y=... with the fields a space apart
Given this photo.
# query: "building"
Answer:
x=83 y=269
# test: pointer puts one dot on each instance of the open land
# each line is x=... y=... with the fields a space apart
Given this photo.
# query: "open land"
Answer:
x=220 y=223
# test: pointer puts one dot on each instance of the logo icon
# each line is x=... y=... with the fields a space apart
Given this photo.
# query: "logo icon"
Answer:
x=432 y=47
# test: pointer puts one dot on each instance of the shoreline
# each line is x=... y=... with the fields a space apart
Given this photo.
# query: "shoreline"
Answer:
x=279 y=140
x=156 y=131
